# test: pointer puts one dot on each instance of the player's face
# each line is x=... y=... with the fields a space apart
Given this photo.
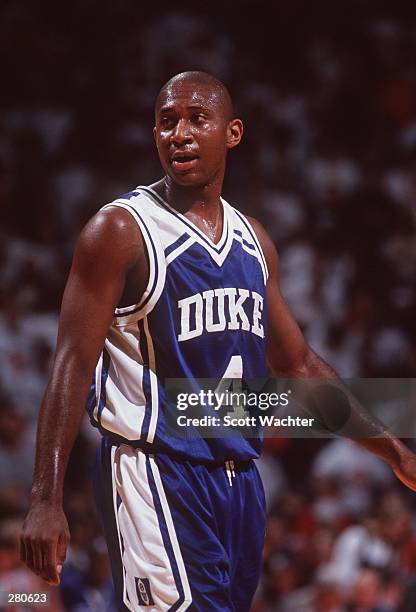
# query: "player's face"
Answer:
x=193 y=134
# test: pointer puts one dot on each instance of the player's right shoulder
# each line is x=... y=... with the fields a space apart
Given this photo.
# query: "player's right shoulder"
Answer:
x=113 y=235
x=112 y=220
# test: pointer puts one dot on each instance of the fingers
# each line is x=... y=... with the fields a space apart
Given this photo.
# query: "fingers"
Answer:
x=24 y=552
x=23 y=556
x=37 y=560
x=50 y=573
x=33 y=554
x=55 y=557
x=63 y=542
x=45 y=537
x=44 y=556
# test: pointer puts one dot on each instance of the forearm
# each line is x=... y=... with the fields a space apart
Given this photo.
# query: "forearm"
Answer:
x=60 y=418
x=330 y=401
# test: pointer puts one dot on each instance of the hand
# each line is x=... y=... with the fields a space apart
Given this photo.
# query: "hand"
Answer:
x=405 y=470
x=44 y=540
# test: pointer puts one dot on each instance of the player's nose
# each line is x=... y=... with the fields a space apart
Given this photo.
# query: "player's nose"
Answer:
x=181 y=134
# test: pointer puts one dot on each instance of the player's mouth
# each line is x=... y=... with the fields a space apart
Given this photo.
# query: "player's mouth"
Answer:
x=183 y=161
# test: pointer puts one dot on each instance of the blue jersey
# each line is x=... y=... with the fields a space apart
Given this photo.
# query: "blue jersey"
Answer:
x=203 y=314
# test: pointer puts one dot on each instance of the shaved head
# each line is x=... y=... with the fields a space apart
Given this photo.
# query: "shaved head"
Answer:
x=195 y=128
x=204 y=84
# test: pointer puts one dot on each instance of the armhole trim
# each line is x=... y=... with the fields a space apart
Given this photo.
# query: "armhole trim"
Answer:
x=252 y=233
x=157 y=269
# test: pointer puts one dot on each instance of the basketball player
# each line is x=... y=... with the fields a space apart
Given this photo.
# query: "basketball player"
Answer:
x=171 y=281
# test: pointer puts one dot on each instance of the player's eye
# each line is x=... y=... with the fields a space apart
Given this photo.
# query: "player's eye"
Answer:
x=198 y=118
x=167 y=122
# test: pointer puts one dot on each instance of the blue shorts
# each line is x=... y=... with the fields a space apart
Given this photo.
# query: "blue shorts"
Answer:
x=181 y=536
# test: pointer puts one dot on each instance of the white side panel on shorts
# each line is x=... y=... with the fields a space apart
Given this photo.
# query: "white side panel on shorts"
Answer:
x=114 y=489
x=144 y=554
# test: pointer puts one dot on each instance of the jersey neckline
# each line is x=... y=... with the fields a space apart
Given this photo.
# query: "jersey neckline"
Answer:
x=217 y=246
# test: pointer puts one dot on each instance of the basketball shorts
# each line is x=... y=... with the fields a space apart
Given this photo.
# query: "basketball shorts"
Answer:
x=181 y=536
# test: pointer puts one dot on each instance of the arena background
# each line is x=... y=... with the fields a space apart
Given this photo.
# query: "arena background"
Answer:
x=327 y=92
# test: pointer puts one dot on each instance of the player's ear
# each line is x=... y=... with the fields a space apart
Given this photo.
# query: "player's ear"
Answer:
x=154 y=133
x=234 y=133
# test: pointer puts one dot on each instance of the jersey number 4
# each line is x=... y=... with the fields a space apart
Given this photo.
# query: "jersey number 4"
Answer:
x=231 y=388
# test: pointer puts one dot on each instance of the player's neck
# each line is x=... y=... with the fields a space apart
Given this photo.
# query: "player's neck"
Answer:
x=203 y=200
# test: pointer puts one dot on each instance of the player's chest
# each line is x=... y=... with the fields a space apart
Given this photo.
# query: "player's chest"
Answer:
x=204 y=298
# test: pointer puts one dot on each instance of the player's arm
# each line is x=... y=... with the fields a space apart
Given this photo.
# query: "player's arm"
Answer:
x=109 y=248
x=290 y=356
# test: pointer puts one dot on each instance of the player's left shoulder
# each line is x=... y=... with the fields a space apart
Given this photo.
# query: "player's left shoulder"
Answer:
x=267 y=246
x=256 y=225
x=263 y=237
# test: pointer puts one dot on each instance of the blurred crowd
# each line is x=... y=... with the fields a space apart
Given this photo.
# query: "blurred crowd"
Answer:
x=340 y=534
x=328 y=164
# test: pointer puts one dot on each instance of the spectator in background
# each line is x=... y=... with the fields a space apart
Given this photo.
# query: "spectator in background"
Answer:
x=17 y=447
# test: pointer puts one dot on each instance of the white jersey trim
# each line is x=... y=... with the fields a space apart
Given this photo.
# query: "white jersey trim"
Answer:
x=252 y=233
x=98 y=370
x=153 y=384
x=214 y=245
x=157 y=268
x=183 y=247
x=253 y=252
x=218 y=251
x=124 y=410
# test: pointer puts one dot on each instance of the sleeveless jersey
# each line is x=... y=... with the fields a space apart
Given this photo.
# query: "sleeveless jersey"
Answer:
x=202 y=315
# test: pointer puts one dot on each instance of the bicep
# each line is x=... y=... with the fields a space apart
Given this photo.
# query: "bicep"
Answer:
x=104 y=254
x=286 y=346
